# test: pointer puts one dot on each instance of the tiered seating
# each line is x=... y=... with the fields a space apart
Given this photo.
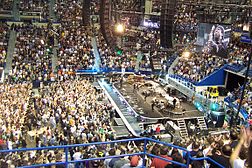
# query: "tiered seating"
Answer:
x=31 y=59
x=185 y=24
x=185 y=18
x=199 y=66
x=4 y=37
x=6 y=5
x=233 y=100
x=170 y=60
x=76 y=51
x=39 y=8
x=110 y=59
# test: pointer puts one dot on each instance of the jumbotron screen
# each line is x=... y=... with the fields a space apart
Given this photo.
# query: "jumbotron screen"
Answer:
x=214 y=38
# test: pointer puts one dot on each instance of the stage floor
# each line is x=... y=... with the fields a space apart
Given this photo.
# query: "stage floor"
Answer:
x=143 y=107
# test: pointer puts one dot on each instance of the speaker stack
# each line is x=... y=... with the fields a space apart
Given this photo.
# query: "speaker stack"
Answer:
x=168 y=9
x=105 y=23
x=86 y=12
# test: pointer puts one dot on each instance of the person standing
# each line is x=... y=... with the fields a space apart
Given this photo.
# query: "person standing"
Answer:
x=152 y=105
x=158 y=163
x=174 y=101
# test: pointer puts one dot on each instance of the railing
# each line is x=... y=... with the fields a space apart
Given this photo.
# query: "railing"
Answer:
x=145 y=71
x=235 y=67
x=186 y=82
x=144 y=153
x=231 y=104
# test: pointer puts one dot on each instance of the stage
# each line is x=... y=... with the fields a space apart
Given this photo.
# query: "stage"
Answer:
x=143 y=105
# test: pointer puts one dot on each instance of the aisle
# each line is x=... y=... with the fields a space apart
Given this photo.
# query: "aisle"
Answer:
x=96 y=54
x=11 y=48
x=15 y=10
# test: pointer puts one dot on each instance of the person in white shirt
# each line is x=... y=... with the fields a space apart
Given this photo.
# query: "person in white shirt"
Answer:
x=77 y=156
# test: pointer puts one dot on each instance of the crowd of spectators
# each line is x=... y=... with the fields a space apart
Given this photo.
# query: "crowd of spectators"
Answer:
x=4 y=38
x=31 y=58
x=63 y=113
x=14 y=103
x=185 y=18
x=73 y=111
x=113 y=60
x=36 y=6
x=239 y=52
x=185 y=24
x=75 y=43
x=199 y=65
x=222 y=148
x=235 y=97
x=6 y=5
x=68 y=11
x=184 y=38
x=76 y=51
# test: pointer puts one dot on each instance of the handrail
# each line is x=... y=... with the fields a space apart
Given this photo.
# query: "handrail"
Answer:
x=118 y=110
x=207 y=158
x=72 y=146
x=143 y=153
x=177 y=163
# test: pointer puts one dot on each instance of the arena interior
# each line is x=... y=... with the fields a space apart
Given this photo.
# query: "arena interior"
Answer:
x=125 y=83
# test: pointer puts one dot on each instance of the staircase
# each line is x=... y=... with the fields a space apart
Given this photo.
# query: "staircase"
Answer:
x=15 y=10
x=11 y=47
x=156 y=64
x=202 y=123
x=173 y=62
x=183 y=129
x=54 y=55
x=179 y=85
x=96 y=54
x=1 y=75
x=51 y=10
x=139 y=59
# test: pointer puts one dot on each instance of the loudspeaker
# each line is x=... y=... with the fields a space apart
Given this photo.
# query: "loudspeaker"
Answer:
x=105 y=23
x=168 y=9
x=86 y=12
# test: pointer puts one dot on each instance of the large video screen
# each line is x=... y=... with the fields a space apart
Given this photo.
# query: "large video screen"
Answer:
x=214 y=38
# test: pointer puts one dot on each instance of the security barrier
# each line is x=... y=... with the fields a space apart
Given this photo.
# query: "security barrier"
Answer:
x=143 y=153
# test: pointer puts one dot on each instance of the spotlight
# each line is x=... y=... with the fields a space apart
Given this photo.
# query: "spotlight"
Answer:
x=186 y=54
x=119 y=28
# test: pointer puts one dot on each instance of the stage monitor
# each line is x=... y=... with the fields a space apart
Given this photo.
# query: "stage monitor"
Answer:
x=214 y=38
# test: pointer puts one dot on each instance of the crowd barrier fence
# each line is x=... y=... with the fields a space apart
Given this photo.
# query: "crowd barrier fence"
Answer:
x=143 y=153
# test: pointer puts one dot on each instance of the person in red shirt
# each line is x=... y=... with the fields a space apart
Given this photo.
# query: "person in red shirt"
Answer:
x=158 y=163
x=158 y=129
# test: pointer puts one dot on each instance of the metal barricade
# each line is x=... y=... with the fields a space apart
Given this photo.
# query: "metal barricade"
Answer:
x=143 y=153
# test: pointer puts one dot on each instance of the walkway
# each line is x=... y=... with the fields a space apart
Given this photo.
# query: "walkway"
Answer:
x=96 y=54
x=138 y=61
x=54 y=55
x=123 y=110
x=11 y=48
x=51 y=11
x=16 y=10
